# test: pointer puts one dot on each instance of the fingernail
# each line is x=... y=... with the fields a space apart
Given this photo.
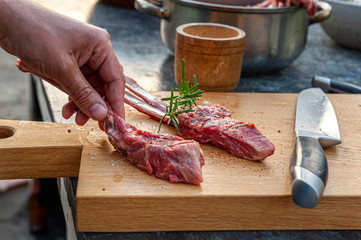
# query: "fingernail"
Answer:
x=97 y=111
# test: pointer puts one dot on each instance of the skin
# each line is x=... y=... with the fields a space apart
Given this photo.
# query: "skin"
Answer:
x=75 y=56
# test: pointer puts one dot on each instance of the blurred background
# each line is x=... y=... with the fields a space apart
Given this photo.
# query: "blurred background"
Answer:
x=26 y=213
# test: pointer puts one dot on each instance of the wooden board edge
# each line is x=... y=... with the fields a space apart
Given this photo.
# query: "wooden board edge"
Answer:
x=143 y=214
x=40 y=162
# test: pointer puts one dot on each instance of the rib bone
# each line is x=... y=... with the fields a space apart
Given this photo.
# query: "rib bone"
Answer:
x=210 y=125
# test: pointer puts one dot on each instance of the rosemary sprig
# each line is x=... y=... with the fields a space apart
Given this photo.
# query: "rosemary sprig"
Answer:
x=183 y=102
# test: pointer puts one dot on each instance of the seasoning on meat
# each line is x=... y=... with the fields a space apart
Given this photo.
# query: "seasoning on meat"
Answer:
x=214 y=124
x=207 y=125
x=168 y=157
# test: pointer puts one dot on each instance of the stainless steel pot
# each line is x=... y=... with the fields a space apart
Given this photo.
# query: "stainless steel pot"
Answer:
x=275 y=36
x=344 y=25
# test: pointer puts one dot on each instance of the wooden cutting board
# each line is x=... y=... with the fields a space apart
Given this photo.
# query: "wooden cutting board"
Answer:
x=236 y=194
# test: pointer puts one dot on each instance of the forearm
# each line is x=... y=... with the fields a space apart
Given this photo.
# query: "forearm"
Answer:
x=6 y=11
x=12 y=17
x=77 y=56
x=20 y=20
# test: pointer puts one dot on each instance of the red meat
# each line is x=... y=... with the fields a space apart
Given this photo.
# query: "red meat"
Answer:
x=214 y=124
x=168 y=157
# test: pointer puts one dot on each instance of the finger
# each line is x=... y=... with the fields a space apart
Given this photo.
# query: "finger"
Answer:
x=94 y=79
x=86 y=70
x=112 y=73
x=83 y=94
x=97 y=83
x=106 y=63
x=22 y=67
x=69 y=109
x=81 y=118
x=101 y=126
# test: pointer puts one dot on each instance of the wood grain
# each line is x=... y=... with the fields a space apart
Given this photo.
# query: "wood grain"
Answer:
x=212 y=52
x=40 y=150
x=236 y=194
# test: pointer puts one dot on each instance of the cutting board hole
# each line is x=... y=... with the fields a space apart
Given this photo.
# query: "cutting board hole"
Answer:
x=6 y=132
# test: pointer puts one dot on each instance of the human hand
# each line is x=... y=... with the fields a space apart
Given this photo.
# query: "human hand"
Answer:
x=76 y=56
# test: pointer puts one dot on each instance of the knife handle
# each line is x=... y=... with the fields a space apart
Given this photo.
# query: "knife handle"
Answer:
x=334 y=86
x=308 y=171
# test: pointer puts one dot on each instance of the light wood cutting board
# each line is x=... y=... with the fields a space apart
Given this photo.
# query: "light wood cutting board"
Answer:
x=236 y=194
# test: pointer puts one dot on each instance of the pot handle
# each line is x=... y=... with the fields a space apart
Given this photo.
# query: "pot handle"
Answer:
x=146 y=7
x=323 y=12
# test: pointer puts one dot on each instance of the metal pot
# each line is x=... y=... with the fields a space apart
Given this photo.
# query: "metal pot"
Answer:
x=275 y=36
x=344 y=26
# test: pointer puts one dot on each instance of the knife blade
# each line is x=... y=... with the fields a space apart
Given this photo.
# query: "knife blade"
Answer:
x=316 y=127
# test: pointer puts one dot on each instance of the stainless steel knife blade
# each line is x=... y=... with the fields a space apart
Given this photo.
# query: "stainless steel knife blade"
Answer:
x=316 y=126
x=315 y=117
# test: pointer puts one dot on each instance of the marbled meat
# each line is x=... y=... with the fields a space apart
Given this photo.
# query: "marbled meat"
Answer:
x=168 y=157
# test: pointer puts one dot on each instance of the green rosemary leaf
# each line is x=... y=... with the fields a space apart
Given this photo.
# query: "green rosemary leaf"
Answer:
x=165 y=99
x=170 y=101
x=194 y=88
x=161 y=121
x=176 y=126
x=169 y=121
x=183 y=102
x=176 y=119
x=184 y=111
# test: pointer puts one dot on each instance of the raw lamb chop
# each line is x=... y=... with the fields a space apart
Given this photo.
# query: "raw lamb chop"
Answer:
x=211 y=124
x=214 y=124
x=168 y=157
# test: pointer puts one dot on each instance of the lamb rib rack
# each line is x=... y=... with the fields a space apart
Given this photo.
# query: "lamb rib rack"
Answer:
x=207 y=124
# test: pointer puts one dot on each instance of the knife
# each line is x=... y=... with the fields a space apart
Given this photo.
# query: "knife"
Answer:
x=334 y=86
x=316 y=127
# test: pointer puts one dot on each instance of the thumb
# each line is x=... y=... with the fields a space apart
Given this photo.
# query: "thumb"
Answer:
x=84 y=96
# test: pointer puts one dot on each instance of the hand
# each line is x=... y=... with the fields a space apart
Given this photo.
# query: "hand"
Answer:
x=76 y=56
